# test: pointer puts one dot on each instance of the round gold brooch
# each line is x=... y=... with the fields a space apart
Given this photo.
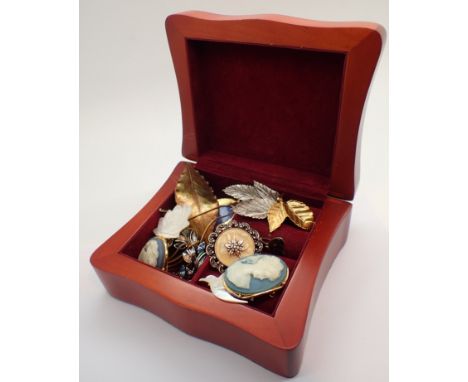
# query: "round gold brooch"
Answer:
x=231 y=242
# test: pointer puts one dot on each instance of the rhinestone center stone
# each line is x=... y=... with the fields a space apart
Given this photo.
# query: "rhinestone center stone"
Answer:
x=235 y=247
x=233 y=244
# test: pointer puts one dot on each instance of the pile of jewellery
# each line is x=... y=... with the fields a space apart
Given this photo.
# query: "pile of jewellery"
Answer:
x=202 y=228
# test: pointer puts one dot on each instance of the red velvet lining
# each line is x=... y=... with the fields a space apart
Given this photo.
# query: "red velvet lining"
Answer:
x=268 y=104
x=283 y=179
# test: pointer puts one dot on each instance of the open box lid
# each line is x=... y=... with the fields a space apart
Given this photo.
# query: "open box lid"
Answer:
x=278 y=97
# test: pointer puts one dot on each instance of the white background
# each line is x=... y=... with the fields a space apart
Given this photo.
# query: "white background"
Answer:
x=130 y=140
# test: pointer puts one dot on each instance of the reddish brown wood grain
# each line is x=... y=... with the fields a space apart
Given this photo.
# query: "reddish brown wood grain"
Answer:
x=272 y=339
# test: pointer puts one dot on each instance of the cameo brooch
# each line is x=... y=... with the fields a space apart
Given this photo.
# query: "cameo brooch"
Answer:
x=231 y=242
x=255 y=276
x=249 y=277
x=155 y=253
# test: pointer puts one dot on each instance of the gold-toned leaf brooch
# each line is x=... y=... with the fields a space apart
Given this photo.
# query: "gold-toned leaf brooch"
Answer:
x=192 y=189
x=260 y=202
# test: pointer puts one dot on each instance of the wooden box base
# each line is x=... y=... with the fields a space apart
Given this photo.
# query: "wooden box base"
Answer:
x=269 y=331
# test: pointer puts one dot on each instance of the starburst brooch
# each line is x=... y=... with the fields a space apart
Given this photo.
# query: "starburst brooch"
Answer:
x=235 y=247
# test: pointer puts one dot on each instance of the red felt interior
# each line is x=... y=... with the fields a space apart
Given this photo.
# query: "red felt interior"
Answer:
x=294 y=238
x=300 y=183
x=269 y=106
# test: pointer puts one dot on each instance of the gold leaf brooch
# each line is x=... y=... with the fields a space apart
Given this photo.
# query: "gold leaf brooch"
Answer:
x=193 y=190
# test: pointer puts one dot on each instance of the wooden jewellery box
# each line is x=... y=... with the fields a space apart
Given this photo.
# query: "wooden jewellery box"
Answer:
x=269 y=98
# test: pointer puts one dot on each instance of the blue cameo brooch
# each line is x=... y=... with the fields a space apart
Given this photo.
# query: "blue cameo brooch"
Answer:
x=255 y=275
